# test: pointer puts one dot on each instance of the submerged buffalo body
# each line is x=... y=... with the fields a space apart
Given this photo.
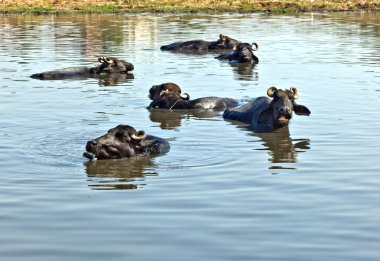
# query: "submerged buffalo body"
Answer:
x=243 y=53
x=124 y=141
x=109 y=65
x=267 y=114
x=224 y=42
x=165 y=96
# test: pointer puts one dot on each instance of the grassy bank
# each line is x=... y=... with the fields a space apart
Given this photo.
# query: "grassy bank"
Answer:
x=185 y=6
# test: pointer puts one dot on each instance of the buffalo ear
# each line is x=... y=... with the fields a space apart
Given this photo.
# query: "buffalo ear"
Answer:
x=265 y=115
x=153 y=104
x=301 y=110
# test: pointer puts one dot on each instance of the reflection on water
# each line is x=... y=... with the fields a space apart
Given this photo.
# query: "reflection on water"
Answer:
x=245 y=71
x=278 y=145
x=126 y=173
x=103 y=79
x=171 y=119
x=281 y=148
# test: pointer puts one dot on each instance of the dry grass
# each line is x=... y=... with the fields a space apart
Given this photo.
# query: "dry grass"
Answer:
x=59 y=6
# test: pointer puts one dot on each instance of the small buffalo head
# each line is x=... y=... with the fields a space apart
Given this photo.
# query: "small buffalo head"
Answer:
x=224 y=42
x=166 y=90
x=245 y=52
x=281 y=107
x=113 y=65
x=122 y=141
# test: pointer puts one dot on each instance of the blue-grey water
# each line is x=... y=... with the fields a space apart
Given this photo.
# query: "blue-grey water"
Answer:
x=307 y=192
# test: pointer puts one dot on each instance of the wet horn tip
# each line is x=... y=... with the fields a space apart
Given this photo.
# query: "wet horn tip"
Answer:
x=294 y=90
x=271 y=91
x=140 y=135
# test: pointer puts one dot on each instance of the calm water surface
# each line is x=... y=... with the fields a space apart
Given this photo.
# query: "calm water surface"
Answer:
x=307 y=192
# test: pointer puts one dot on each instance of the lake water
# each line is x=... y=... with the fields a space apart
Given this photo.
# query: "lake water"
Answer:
x=307 y=192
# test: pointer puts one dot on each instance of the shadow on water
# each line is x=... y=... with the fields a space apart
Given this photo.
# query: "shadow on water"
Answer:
x=127 y=173
x=172 y=119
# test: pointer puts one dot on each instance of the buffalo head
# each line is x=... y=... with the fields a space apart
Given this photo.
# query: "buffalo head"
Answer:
x=245 y=53
x=158 y=92
x=282 y=106
x=113 y=65
x=124 y=141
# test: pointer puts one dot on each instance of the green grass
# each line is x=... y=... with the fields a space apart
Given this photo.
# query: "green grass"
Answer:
x=185 y=6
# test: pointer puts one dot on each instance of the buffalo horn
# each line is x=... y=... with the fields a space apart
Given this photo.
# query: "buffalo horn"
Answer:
x=271 y=91
x=163 y=92
x=295 y=92
x=101 y=60
x=185 y=96
x=109 y=60
x=140 y=135
x=256 y=46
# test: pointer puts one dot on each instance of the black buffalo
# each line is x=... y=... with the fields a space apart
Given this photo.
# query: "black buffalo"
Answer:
x=172 y=99
x=124 y=141
x=243 y=53
x=224 y=42
x=267 y=114
x=109 y=65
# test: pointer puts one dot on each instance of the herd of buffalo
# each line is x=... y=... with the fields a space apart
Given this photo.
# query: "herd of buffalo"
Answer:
x=264 y=114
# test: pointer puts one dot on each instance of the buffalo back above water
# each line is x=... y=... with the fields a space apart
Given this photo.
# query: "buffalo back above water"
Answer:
x=109 y=65
x=269 y=113
x=224 y=42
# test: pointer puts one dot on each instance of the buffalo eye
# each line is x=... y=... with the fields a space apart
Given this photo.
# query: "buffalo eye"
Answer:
x=121 y=136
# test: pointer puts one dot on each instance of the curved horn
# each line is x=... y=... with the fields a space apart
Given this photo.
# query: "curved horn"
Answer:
x=109 y=60
x=294 y=90
x=185 y=96
x=140 y=135
x=256 y=46
x=101 y=60
x=163 y=92
x=271 y=91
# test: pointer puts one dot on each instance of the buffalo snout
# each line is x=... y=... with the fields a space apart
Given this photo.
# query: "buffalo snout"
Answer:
x=285 y=110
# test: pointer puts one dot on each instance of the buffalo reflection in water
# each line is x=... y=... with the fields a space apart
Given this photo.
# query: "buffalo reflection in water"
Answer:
x=126 y=173
x=105 y=80
x=281 y=148
x=172 y=119
x=244 y=71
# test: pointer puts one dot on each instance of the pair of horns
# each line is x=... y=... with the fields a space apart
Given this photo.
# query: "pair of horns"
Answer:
x=293 y=90
x=140 y=135
x=104 y=59
x=185 y=96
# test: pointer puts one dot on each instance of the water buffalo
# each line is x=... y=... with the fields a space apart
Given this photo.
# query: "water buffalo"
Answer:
x=243 y=53
x=267 y=114
x=172 y=99
x=124 y=141
x=224 y=42
x=109 y=65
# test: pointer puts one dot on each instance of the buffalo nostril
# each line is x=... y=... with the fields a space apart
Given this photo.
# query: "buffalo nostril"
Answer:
x=285 y=110
x=92 y=143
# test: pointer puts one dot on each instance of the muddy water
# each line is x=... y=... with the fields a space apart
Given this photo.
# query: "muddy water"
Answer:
x=307 y=192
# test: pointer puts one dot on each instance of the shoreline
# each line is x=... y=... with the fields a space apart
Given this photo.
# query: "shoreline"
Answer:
x=186 y=6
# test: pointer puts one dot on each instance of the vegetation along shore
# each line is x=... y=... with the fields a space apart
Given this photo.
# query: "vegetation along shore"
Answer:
x=185 y=6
